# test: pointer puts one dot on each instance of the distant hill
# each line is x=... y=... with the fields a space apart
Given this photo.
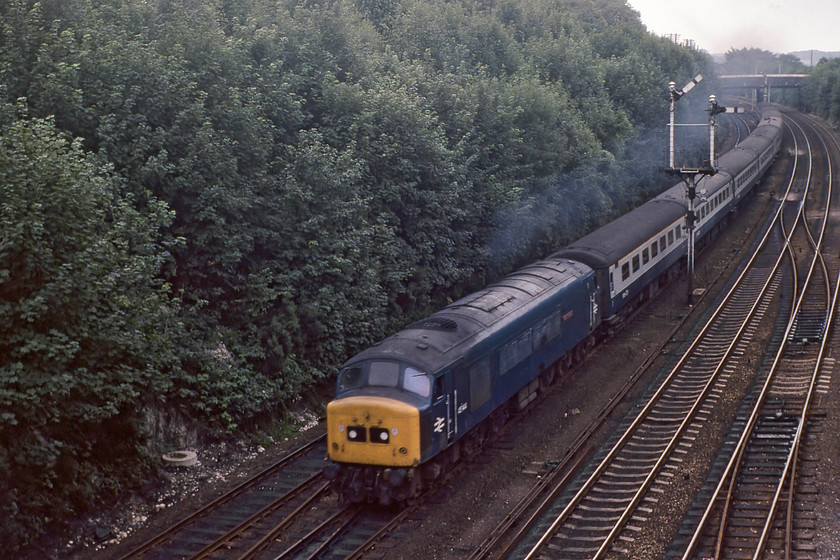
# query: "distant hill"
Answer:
x=807 y=57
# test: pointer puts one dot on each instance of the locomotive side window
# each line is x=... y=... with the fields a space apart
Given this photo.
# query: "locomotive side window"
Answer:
x=480 y=384
x=384 y=374
x=548 y=328
x=350 y=378
x=514 y=352
x=417 y=382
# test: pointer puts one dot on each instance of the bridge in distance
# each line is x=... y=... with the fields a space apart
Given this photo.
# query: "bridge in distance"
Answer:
x=760 y=85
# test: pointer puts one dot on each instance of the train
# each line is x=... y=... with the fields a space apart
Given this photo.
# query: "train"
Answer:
x=410 y=407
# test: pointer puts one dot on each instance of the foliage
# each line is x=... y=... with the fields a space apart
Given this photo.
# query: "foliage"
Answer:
x=86 y=325
x=822 y=91
x=227 y=199
x=757 y=61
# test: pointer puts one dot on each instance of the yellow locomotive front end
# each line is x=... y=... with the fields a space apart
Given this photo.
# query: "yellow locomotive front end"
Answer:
x=374 y=436
x=373 y=430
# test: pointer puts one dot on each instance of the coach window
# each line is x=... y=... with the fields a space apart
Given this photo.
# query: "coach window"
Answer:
x=677 y=232
x=635 y=263
x=670 y=237
x=645 y=256
x=654 y=249
x=662 y=245
x=625 y=271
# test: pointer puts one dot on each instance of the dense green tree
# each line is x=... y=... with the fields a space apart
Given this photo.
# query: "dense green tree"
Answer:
x=282 y=183
x=822 y=90
x=758 y=61
x=87 y=327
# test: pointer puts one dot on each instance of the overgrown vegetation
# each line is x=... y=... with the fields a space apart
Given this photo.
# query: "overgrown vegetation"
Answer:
x=208 y=205
x=821 y=95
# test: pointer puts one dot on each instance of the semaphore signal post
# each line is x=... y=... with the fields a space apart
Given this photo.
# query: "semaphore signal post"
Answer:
x=692 y=175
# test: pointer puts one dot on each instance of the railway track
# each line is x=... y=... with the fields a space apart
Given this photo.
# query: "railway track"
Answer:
x=603 y=511
x=212 y=527
x=600 y=501
x=762 y=503
x=286 y=511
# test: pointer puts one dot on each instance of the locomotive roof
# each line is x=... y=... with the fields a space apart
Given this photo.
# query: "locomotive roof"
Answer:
x=435 y=341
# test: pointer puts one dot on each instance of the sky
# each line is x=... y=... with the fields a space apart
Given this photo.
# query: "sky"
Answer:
x=716 y=27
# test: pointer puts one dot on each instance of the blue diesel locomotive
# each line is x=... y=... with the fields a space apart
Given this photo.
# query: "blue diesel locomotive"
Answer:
x=410 y=406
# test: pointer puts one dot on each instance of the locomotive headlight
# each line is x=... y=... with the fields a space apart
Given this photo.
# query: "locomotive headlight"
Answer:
x=357 y=433
x=379 y=435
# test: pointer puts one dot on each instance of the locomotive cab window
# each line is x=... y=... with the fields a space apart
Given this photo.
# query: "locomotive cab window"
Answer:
x=417 y=382
x=381 y=373
x=384 y=374
x=350 y=378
